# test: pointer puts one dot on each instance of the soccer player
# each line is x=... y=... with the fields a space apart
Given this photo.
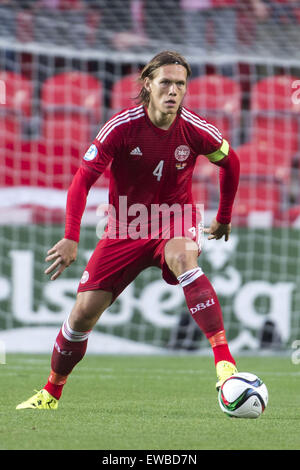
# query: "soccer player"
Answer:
x=152 y=149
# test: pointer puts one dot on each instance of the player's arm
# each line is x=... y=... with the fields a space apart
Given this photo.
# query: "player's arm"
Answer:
x=226 y=158
x=64 y=252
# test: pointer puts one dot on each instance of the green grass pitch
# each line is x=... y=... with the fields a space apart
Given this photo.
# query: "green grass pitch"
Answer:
x=146 y=402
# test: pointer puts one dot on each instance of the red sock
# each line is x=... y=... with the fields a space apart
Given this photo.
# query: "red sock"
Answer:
x=220 y=348
x=69 y=349
x=205 y=308
x=55 y=384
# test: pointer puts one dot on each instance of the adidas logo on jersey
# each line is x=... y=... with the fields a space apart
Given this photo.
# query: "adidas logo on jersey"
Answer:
x=136 y=151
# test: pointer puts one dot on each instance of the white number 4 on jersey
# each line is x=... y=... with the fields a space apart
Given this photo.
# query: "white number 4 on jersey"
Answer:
x=158 y=170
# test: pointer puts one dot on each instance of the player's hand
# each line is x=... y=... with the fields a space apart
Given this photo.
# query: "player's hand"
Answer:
x=63 y=253
x=217 y=230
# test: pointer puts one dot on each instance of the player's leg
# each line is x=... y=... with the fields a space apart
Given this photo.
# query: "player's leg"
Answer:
x=70 y=346
x=88 y=308
x=181 y=256
x=71 y=342
x=113 y=265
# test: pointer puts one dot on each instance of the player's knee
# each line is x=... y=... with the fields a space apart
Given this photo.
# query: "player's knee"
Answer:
x=180 y=261
x=88 y=308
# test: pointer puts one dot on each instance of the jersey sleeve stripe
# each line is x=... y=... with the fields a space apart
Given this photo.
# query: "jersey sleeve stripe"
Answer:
x=117 y=123
x=119 y=115
x=220 y=153
x=117 y=118
x=196 y=120
x=206 y=129
x=202 y=121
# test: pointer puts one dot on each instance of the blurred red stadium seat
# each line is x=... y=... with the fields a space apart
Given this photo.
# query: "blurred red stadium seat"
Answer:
x=67 y=128
x=205 y=169
x=200 y=193
x=205 y=183
x=71 y=105
x=292 y=216
x=123 y=93
x=258 y=195
x=274 y=114
x=10 y=127
x=75 y=91
x=16 y=94
x=217 y=99
x=37 y=163
x=34 y=163
x=256 y=158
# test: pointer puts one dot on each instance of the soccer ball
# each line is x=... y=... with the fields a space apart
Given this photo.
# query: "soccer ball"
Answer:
x=243 y=395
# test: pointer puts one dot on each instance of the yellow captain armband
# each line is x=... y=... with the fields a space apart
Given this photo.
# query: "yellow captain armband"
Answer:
x=220 y=153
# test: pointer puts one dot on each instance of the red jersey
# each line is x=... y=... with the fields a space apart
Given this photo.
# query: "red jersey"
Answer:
x=150 y=165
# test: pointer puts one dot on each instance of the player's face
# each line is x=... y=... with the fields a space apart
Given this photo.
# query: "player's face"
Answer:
x=167 y=88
